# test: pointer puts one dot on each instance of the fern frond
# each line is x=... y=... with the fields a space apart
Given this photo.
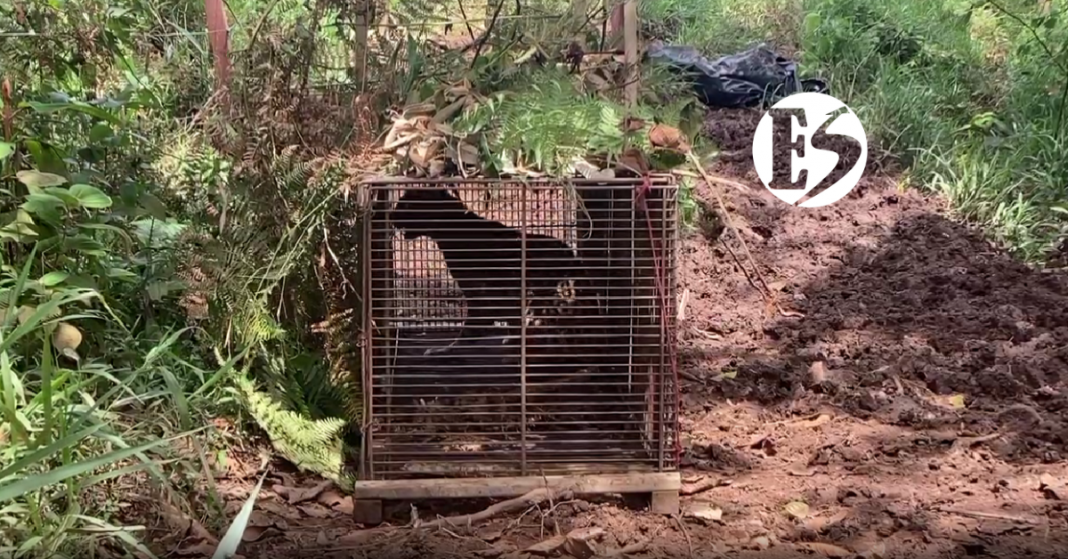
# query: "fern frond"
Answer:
x=311 y=445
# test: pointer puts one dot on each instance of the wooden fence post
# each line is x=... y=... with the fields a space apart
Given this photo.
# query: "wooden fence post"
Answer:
x=632 y=89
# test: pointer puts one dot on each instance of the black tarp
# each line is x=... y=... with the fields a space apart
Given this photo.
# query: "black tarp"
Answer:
x=745 y=79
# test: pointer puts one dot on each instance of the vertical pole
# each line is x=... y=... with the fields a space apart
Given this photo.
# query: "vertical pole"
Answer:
x=579 y=9
x=218 y=40
x=613 y=10
x=630 y=51
x=359 y=47
x=523 y=302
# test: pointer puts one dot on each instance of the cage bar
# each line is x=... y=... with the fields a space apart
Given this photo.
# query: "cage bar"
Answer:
x=516 y=329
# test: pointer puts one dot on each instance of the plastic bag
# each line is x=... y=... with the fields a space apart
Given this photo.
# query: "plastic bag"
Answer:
x=745 y=79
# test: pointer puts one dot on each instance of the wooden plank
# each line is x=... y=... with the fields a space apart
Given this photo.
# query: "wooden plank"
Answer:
x=665 y=502
x=413 y=490
x=367 y=511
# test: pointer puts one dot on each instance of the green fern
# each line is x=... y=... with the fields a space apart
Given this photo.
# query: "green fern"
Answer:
x=550 y=124
x=546 y=126
x=311 y=445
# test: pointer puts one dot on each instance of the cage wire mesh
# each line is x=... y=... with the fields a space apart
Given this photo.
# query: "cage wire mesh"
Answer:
x=517 y=328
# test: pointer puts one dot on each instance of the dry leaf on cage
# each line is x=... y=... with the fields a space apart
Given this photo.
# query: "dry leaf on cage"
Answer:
x=435 y=169
x=632 y=124
x=424 y=110
x=667 y=137
x=633 y=160
x=426 y=151
x=464 y=154
x=451 y=110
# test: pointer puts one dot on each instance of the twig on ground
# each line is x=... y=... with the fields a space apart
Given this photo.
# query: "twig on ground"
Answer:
x=702 y=486
x=767 y=292
x=991 y=516
x=636 y=547
x=686 y=533
x=535 y=497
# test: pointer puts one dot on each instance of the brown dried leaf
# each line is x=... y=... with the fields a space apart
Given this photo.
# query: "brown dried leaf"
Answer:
x=633 y=124
x=294 y=495
x=705 y=512
x=357 y=538
x=331 y=498
x=760 y=543
x=586 y=534
x=667 y=137
x=826 y=549
x=817 y=421
x=344 y=506
x=200 y=549
x=817 y=372
x=796 y=509
x=579 y=549
x=451 y=110
x=256 y=533
x=490 y=535
x=315 y=511
x=1052 y=488
x=547 y=547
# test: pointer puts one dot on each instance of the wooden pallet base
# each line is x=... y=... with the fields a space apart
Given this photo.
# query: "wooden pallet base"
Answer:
x=662 y=487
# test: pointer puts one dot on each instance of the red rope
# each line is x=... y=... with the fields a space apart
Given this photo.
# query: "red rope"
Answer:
x=639 y=202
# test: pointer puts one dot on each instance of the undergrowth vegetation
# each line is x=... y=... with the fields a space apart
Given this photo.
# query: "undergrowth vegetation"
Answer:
x=969 y=96
x=171 y=273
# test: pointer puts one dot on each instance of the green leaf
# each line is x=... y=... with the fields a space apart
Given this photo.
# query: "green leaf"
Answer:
x=90 y=196
x=41 y=203
x=36 y=179
x=53 y=278
x=46 y=108
x=62 y=194
x=29 y=484
x=100 y=132
x=84 y=245
x=153 y=205
x=232 y=539
x=156 y=233
x=82 y=281
x=6 y=150
x=812 y=23
x=44 y=206
x=110 y=229
x=122 y=275
x=46 y=158
x=159 y=289
x=43 y=454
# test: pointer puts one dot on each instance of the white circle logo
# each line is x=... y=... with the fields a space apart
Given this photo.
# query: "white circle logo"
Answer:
x=818 y=163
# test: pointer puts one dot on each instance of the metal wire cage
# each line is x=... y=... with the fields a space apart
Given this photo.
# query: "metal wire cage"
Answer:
x=518 y=328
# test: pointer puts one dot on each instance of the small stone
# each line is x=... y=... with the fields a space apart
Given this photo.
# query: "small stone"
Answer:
x=760 y=543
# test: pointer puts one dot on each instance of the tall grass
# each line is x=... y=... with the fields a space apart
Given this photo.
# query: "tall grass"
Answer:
x=970 y=97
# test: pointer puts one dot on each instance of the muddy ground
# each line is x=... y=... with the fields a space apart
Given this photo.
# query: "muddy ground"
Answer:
x=911 y=393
